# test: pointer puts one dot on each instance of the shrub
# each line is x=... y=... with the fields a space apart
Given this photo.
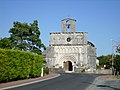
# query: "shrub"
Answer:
x=15 y=64
x=46 y=70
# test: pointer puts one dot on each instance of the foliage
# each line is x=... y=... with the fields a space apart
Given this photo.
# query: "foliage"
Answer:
x=5 y=43
x=83 y=70
x=46 y=70
x=105 y=60
x=118 y=48
x=117 y=63
x=26 y=37
x=15 y=64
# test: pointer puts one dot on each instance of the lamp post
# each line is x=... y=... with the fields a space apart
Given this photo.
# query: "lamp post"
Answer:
x=112 y=51
x=113 y=70
x=113 y=47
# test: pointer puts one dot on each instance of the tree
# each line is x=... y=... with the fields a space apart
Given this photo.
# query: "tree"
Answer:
x=26 y=37
x=117 y=63
x=105 y=60
x=118 y=48
x=5 y=43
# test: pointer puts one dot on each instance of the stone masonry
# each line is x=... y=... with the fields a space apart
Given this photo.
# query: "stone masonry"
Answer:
x=70 y=50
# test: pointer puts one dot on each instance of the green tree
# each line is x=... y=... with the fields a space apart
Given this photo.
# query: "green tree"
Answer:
x=117 y=63
x=18 y=35
x=33 y=40
x=105 y=60
x=5 y=43
x=26 y=37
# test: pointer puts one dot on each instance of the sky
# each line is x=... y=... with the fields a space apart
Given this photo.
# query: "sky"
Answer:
x=100 y=18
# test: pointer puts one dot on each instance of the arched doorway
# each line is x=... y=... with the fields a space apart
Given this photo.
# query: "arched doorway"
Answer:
x=68 y=66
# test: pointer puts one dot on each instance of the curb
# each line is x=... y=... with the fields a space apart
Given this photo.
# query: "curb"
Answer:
x=30 y=82
x=92 y=85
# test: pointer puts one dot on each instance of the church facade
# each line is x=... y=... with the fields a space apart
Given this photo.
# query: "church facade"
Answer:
x=70 y=50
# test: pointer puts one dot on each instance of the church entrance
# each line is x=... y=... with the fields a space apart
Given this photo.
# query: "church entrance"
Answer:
x=68 y=66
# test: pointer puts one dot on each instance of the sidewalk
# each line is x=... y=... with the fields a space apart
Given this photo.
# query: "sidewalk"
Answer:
x=27 y=81
x=105 y=83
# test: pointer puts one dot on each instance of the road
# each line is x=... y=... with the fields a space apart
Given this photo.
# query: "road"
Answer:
x=70 y=81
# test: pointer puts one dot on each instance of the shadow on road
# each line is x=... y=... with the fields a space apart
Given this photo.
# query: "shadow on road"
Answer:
x=107 y=87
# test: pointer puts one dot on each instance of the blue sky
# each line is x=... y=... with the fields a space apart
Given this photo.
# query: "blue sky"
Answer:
x=100 y=18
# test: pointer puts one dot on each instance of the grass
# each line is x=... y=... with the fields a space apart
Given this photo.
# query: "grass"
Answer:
x=112 y=77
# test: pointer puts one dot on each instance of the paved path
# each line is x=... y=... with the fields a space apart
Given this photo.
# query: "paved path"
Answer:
x=63 y=82
x=18 y=83
x=104 y=84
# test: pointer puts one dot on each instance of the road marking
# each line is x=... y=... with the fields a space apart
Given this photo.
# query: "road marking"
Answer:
x=29 y=82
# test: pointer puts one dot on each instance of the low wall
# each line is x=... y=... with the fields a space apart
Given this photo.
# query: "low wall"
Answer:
x=79 y=70
x=56 y=70
x=103 y=71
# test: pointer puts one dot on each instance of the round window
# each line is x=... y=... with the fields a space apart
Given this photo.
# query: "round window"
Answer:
x=68 y=39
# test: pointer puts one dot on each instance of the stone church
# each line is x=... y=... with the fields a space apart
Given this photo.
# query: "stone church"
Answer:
x=70 y=50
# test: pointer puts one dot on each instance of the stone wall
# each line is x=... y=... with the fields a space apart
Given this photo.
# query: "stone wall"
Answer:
x=60 y=39
x=103 y=71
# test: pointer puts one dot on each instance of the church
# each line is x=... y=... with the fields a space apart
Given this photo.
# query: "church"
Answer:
x=69 y=50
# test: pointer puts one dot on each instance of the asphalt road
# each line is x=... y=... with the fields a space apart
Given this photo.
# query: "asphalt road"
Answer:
x=70 y=81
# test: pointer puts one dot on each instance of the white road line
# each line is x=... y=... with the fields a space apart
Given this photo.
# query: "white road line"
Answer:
x=29 y=83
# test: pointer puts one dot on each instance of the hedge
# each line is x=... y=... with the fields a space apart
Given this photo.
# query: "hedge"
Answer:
x=15 y=65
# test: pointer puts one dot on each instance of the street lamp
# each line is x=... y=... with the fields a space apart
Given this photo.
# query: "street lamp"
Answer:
x=112 y=51
x=113 y=47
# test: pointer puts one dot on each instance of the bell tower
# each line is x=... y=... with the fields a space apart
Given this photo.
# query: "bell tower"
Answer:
x=68 y=24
